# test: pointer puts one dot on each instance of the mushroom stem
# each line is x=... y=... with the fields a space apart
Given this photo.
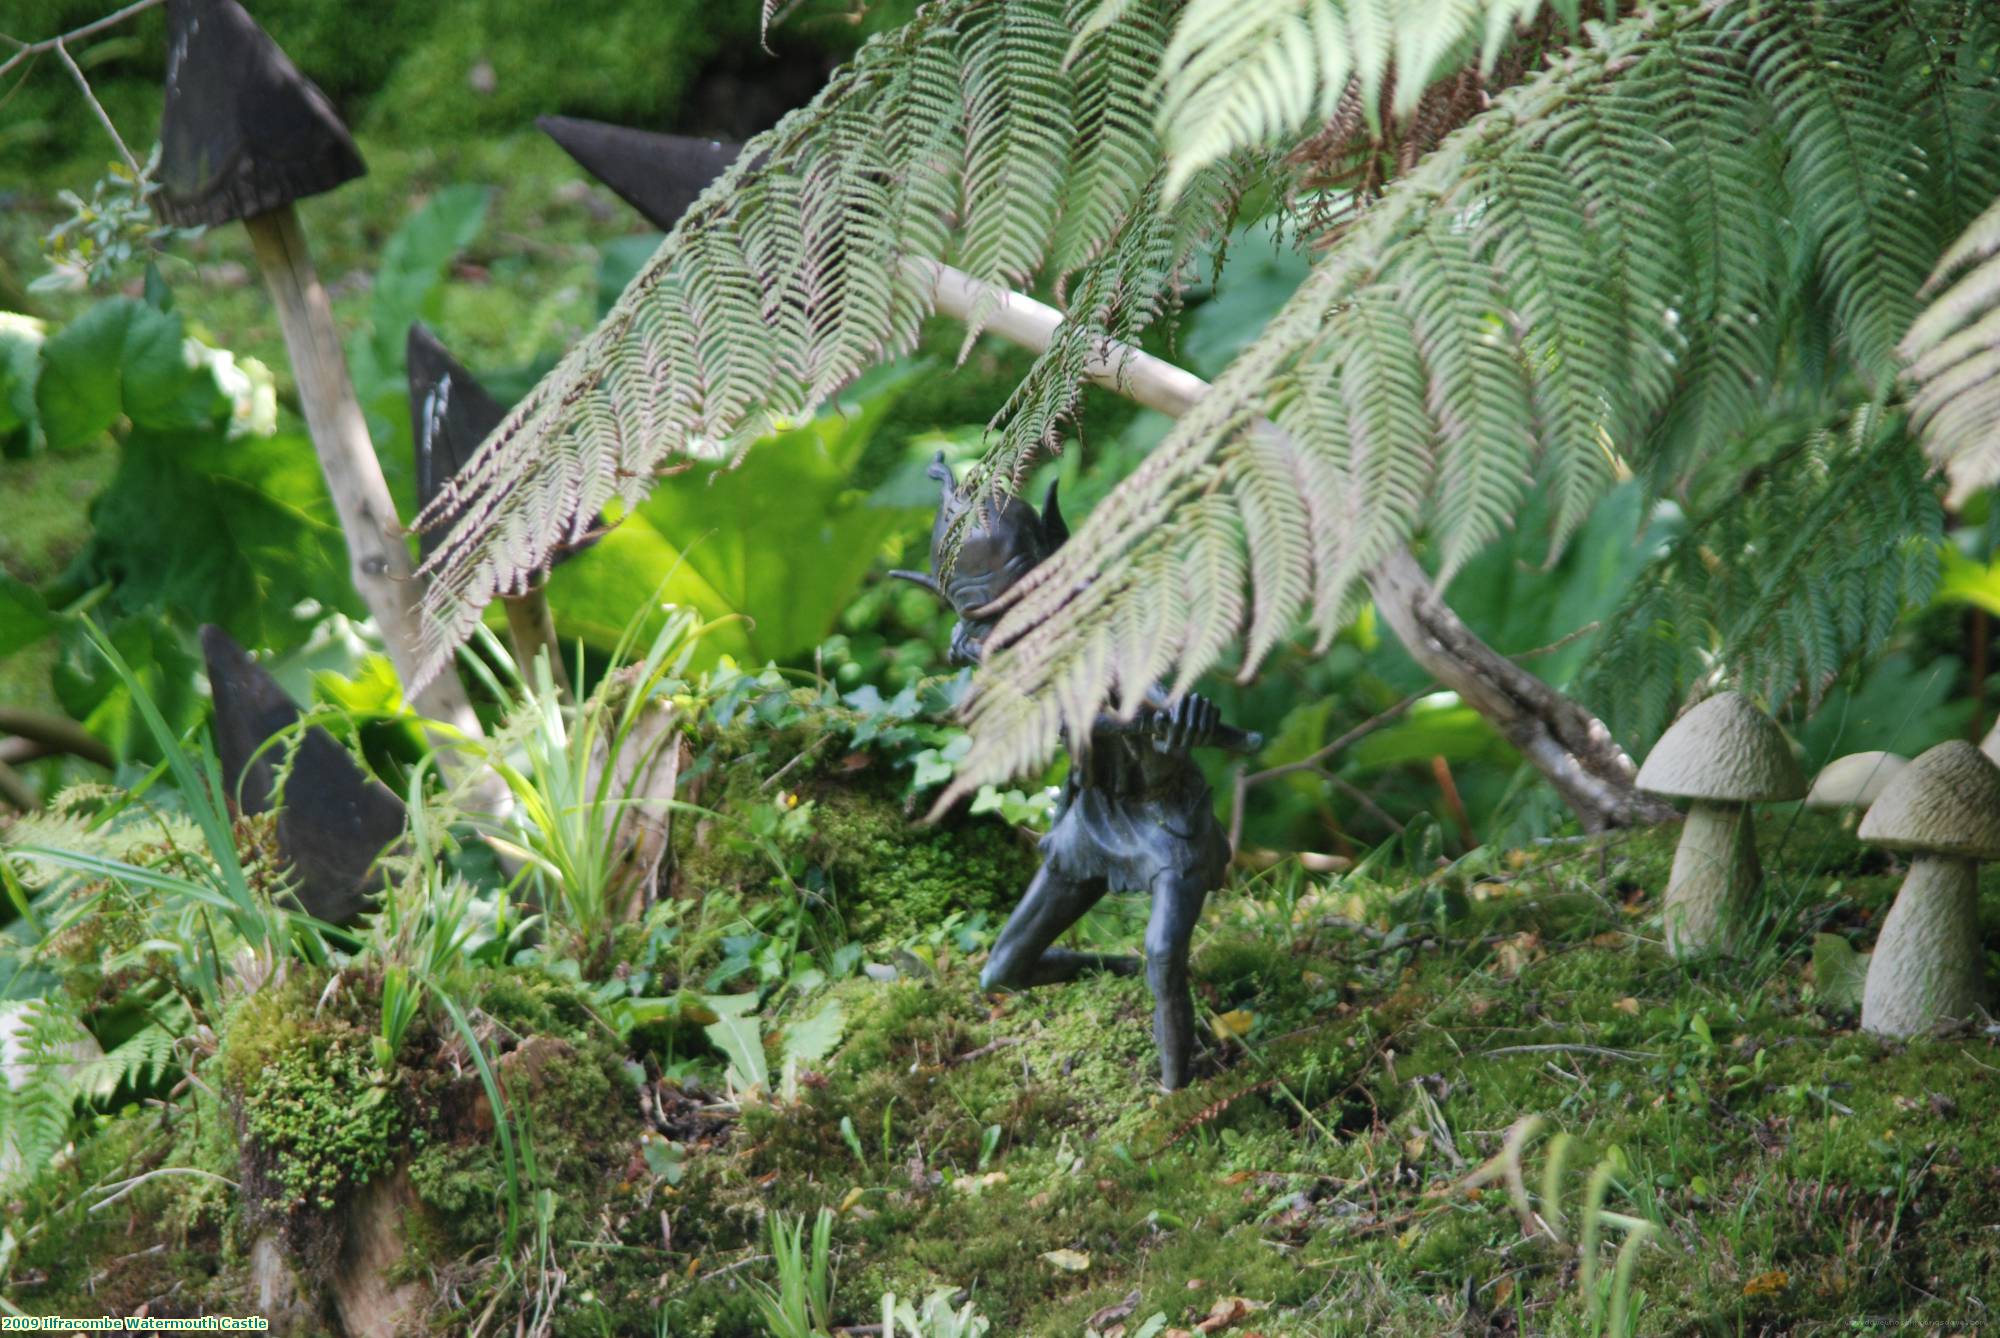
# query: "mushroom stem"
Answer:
x=1715 y=868
x=379 y=559
x=1928 y=967
x=532 y=628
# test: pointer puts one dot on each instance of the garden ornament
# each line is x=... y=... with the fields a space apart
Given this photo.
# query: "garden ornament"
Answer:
x=243 y=135
x=659 y=175
x=1135 y=813
x=450 y=415
x=1929 y=965
x=1725 y=755
x=333 y=818
x=1854 y=781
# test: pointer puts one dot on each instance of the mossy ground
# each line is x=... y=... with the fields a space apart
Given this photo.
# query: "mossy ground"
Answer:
x=1374 y=1039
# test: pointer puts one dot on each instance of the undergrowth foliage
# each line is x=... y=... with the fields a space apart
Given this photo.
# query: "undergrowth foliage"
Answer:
x=1811 y=560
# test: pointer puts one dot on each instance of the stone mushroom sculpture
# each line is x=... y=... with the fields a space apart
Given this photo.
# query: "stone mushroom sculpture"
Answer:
x=242 y=136
x=1854 y=781
x=1725 y=755
x=1929 y=967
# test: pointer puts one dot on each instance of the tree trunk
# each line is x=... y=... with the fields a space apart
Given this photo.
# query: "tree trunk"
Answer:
x=1567 y=744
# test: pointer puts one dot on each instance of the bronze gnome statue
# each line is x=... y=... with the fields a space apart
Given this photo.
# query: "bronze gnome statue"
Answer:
x=1135 y=813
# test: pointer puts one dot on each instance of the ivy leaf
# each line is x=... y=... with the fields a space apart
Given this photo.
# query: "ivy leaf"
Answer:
x=1839 y=972
x=120 y=357
x=237 y=533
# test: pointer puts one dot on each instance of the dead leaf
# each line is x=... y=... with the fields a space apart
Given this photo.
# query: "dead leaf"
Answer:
x=1069 y=1261
x=1628 y=1004
x=1503 y=1292
x=1517 y=952
x=1767 y=1284
x=1233 y=1025
x=1111 y=1314
x=1610 y=938
x=1230 y=1310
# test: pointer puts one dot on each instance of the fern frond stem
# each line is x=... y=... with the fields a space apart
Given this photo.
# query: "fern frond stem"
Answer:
x=1571 y=747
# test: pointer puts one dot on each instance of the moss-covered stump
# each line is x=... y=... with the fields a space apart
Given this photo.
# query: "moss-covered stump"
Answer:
x=790 y=806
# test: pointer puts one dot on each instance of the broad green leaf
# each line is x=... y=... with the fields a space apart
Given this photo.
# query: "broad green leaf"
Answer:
x=1839 y=972
x=815 y=1038
x=742 y=1043
x=785 y=539
x=120 y=358
x=237 y=533
x=20 y=364
x=414 y=261
x=24 y=615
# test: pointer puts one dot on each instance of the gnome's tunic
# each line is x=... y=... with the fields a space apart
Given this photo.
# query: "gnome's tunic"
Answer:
x=1131 y=813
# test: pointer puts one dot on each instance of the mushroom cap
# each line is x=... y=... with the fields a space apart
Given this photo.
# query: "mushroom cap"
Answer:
x=335 y=818
x=250 y=707
x=1854 y=781
x=1726 y=750
x=659 y=175
x=1946 y=802
x=243 y=132
x=450 y=414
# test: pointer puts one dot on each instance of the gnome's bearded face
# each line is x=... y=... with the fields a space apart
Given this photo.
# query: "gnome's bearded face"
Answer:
x=995 y=549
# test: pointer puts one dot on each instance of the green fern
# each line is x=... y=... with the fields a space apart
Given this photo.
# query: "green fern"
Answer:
x=1954 y=351
x=991 y=133
x=1806 y=566
x=1605 y=218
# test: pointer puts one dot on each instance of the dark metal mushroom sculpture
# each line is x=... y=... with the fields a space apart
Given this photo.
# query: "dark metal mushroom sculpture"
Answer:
x=1929 y=966
x=659 y=175
x=243 y=135
x=334 y=819
x=450 y=414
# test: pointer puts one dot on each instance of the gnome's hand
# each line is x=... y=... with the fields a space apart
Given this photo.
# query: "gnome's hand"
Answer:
x=1188 y=724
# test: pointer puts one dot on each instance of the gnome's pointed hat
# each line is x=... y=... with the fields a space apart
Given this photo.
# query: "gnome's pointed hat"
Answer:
x=659 y=175
x=243 y=132
x=335 y=818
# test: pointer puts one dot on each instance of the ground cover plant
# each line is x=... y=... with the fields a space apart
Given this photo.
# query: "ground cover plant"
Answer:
x=1457 y=394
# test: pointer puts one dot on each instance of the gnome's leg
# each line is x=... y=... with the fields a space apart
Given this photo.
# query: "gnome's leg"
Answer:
x=1022 y=957
x=1177 y=901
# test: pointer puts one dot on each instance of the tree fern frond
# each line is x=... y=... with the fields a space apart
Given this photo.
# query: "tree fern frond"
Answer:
x=1782 y=585
x=1954 y=352
x=1571 y=195
x=981 y=132
x=1248 y=73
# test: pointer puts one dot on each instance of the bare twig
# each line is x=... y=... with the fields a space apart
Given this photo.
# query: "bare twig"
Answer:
x=1559 y=1048
x=1311 y=762
x=103 y=117
x=16 y=791
x=26 y=50
x=124 y=1187
x=59 y=734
